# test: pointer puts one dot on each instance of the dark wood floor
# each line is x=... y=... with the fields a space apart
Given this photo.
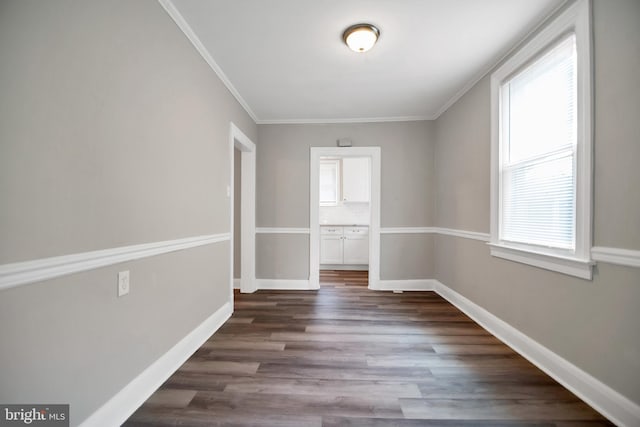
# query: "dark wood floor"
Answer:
x=348 y=356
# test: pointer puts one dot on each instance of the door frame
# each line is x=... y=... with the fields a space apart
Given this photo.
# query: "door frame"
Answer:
x=237 y=139
x=374 y=153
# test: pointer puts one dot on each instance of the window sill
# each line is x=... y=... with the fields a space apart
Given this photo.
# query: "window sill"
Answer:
x=572 y=266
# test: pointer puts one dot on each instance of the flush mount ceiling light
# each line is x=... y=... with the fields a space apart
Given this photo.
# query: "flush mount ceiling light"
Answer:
x=361 y=37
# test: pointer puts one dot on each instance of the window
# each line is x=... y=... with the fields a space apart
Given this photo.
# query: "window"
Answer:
x=329 y=182
x=541 y=149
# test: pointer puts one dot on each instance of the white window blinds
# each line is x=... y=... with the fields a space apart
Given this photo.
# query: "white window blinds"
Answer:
x=538 y=151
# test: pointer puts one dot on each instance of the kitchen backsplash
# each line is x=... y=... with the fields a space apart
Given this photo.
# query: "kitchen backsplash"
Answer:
x=347 y=214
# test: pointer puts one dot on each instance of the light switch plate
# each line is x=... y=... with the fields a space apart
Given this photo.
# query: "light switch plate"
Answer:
x=123 y=283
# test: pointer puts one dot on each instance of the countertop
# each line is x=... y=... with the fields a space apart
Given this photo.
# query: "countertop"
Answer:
x=344 y=225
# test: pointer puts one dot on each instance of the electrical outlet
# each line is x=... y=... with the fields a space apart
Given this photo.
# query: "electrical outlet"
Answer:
x=123 y=283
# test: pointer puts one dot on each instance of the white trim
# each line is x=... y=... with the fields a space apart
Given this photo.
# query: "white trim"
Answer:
x=237 y=139
x=374 y=153
x=345 y=267
x=236 y=283
x=177 y=17
x=474 y=235
x=346 y=120
x=576 y=19
x=487 y=69
x=600 y=396
x=286 y=284
x=22 y=273
x=406 y=285
x=282 y=230
x=124 y=403
x=407 y=230
x=571 y=266
x=618 y=256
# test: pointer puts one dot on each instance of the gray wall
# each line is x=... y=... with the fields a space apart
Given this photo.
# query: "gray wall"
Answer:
x=593 y=324
x=113 y=132
x=407 y=195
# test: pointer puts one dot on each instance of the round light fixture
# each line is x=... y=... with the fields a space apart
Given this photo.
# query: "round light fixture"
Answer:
x=361 y=37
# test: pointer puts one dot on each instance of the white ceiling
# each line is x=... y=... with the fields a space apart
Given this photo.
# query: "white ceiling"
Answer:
x=285 y=60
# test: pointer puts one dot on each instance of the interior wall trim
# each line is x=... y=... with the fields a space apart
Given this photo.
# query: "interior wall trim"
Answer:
x=613 y=405
x=282 y=230
x=407 y=230
x=493 y=64
x=618 y=256
x=177 y=17
x=124 y=403
x=347 y=120
x=22 y=273
x=474 y=235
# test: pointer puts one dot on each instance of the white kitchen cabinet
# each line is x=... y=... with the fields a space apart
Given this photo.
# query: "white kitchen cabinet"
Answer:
x=344 y=245
x=331 y=245
x=356 y=245
x=356 y=179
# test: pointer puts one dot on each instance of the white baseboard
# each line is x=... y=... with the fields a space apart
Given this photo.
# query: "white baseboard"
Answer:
x=285 y=284
x=121 y=406
x=344 y=267
x=404 y=285
x=236 y=283
x=619 y=409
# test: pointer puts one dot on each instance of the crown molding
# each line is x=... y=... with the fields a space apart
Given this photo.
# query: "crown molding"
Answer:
x=348 y=120
x=493 y=64
x=181 y=22
x=177 y=17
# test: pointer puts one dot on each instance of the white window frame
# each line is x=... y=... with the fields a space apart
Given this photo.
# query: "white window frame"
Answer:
x=575 y=19
x=338 y=166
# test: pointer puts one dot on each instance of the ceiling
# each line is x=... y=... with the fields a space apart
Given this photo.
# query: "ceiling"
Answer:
x=285 y=61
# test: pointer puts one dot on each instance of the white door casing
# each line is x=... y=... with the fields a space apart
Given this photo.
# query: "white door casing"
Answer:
x=374 y=153
x=237 y=139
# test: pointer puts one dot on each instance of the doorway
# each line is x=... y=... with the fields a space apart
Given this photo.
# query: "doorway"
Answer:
x=243 y=213
x=318 y=231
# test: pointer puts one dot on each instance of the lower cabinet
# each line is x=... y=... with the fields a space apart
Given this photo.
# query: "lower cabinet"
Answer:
x=344 y=245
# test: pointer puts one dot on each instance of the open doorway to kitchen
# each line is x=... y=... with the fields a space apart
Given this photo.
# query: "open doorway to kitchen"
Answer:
x=344 y=212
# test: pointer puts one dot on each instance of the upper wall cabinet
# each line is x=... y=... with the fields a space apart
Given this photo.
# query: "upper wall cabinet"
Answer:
x=356 y=179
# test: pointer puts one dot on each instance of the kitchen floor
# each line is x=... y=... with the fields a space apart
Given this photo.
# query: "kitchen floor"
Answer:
x=348 y=356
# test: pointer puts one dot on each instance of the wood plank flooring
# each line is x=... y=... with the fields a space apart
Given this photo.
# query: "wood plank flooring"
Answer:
x=348 y=356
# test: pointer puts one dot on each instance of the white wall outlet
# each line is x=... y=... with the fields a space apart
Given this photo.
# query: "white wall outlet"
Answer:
x=228 y=191
x=123 y=283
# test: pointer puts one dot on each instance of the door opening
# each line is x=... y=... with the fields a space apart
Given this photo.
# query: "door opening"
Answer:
x=344 y=211
x=246 y=214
